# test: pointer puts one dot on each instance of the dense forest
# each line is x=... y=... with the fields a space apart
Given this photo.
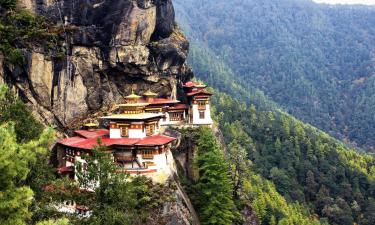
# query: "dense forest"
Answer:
x=315 y=61
x=306 y=165
x=227 y=185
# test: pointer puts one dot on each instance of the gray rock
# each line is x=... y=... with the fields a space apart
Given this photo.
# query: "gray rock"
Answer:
x=41 y=76
x=110 y=47
x=170 y=53
x=165 y=19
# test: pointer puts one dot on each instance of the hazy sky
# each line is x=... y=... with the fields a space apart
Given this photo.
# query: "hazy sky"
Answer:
x=365 y=2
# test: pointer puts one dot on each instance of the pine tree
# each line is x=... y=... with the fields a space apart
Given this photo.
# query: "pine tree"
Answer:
x=239 y=165
x=213 y=190
x=15 y=161
x=13 y=109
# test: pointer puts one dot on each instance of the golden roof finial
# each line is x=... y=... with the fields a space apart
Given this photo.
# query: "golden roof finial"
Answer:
x=149 y=93
x=132 y=96
x=200 y=84
x=90 y=123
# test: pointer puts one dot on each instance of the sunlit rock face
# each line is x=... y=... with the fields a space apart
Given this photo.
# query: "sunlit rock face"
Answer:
x=108 y=48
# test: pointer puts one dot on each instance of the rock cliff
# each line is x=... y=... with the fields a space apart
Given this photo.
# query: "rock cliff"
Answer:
x=109 y=47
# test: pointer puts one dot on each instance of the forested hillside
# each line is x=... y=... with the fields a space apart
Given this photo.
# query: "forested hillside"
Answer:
x=306 y=165
x=213 y=194
x=315 y=61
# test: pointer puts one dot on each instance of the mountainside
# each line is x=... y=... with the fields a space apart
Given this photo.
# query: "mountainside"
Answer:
x=308 y=167
x=315 y=61
x=103 y=50
x=71 y=60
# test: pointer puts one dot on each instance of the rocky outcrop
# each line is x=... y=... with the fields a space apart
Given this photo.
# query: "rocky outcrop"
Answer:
x=40 y=76
x=165 y=19
x=249 y=216
x=108 y=48
x=180 y=211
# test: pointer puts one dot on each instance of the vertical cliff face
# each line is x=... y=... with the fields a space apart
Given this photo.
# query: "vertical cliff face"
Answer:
x=108 y=47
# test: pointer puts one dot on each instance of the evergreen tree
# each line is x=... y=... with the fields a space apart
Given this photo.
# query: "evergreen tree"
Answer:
x=55 y=222
x=15 y=161
x=13 y=109
x=239 y=166
x=20 y=154
x=370 y=213
x=212 y=192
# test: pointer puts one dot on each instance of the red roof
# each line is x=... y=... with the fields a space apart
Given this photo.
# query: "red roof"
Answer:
x=179 y=106
x=155 y=140
x=81 y=207
x=84 y=143
x=71 y=141
x=92 y=134
x=140 y=171
x=191 y=84
x=88 y=144
x=162 y=101
x=201 y=91
x=120 y=141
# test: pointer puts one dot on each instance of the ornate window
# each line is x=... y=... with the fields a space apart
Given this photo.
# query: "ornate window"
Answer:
x=147 y=154
x=150 y=129
x=124 y=131
x=176 y=116
x=201 y=115
x=201 y=104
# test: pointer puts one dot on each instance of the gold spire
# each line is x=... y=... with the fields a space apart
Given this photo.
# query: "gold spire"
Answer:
x=149 y=93
x=90 y=125
x=132 y=96
x=200 y=85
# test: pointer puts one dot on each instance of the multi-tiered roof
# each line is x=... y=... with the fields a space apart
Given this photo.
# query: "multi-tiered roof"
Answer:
x=133 y=110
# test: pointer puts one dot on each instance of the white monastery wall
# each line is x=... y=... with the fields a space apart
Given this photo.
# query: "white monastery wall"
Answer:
x=207 y=117
x=114 y=133
x=136 y=133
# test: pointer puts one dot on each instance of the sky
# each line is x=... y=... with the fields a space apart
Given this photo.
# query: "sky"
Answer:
x=364 y=2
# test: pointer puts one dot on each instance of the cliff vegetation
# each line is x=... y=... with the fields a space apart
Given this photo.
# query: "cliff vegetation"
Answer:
x=20 y=30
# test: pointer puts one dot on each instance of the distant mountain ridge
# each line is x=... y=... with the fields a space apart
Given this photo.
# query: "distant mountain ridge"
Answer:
x=316 y=61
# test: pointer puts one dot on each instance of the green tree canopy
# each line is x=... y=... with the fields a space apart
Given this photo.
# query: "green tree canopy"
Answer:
x=15 y=161
x=12 y=108
x=212 y=192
